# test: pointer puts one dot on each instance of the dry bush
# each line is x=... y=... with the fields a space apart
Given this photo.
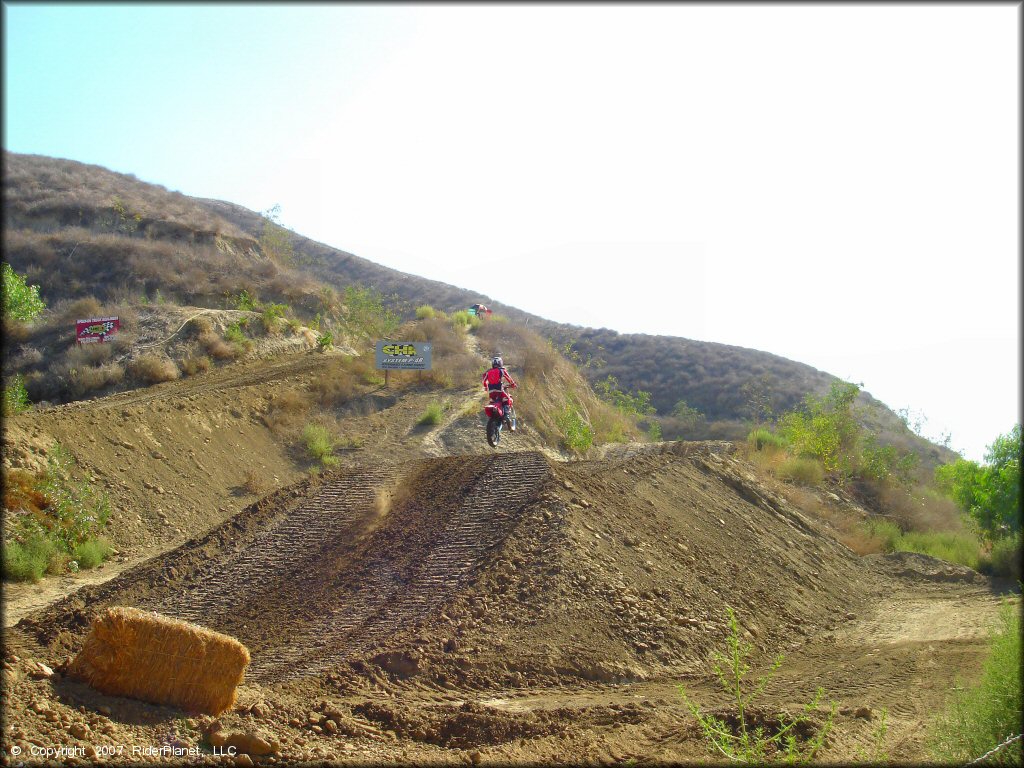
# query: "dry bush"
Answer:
x=334 y=387
x=27 y=357
x=917 y=510
x=199 y=326
x=123 y=343
x=152 y=368
x=79 y=309
x=86 y=380
x=89 y=355
x=15 y=332
x=254 y=483
x=216 y=347
x=287 y=412
x=365 y=368
x=192 y=364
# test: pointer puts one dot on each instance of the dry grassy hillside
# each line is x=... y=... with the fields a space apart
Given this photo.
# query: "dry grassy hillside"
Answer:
x=82 y=231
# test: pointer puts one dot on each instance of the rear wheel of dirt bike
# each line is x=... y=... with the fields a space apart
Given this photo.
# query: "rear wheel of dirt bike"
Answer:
x=494 y=432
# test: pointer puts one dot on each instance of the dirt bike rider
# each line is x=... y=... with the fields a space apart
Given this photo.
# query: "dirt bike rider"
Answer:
x=494 y=382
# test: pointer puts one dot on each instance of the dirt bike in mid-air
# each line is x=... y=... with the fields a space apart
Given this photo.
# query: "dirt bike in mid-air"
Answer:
x=497 y=420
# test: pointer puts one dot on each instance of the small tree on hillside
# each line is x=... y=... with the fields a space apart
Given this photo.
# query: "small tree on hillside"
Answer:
x=21 y=301
x=758 y=399
x=276 y=241
x=826 y=428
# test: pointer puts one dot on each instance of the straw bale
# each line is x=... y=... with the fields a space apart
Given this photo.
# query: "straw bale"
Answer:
x=162 y=660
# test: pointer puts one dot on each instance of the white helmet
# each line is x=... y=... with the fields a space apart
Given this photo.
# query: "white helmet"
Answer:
x=497 y=362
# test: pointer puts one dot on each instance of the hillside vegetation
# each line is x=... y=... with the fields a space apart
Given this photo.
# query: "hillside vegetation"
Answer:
x=82 y=232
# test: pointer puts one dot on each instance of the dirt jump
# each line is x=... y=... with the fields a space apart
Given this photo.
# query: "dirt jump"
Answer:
x=506 y=607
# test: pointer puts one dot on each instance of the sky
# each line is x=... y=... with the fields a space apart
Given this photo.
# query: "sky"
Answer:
x=835 y=184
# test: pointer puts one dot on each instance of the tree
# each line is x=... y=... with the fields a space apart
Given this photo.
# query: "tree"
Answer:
x=826 y=428
x=758 y=400
x=689 y=417
x=989 y=492
x=21 y=301
x=276 y=241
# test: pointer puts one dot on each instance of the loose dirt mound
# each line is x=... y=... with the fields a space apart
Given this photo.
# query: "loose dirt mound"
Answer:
x=531 y=608
x=607 y=571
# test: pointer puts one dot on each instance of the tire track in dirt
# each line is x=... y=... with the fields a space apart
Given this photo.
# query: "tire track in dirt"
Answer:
x=386 y=595
x=339 y=511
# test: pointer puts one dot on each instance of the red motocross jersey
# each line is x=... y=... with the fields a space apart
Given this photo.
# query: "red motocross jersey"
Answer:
x=493 y=378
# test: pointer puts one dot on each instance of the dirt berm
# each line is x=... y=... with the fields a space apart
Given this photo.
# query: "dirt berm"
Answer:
x=422 y=598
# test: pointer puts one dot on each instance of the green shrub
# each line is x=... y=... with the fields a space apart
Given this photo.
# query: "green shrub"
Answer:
x=433 y=415
x=762 y=438
x=244 y=301
x=1005 y=557
x=28 y=560
x=577 y=434
x=986 y=714
x=21 y=301
x=802 y=471
x=272 y=316
x=425 y=312
x=825 y=429
x=319 y=444
x=16 y=396
x=744 y=742
x=885 y=533
x=91 y=552
x=234 y=333
x=326 y=340
x=962 y=548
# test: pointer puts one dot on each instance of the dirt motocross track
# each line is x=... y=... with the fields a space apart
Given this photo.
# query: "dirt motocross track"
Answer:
x=504 y=606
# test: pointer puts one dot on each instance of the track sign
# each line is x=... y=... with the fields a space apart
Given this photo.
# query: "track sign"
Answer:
x=403 y=355
x=96 y=329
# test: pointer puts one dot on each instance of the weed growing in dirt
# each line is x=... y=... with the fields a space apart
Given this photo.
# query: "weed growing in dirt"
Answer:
x=876 y=753
x=762 y=437
x=986 y=714
x=319 y=444
x=433 y=415
x=746 y=735
x=253 y=483
x=52 y=519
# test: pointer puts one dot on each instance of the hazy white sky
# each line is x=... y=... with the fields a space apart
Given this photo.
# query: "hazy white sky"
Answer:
x=837 y=184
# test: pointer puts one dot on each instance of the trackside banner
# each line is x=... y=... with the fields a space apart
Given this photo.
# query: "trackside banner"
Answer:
x=96 y=329
x=403 y=355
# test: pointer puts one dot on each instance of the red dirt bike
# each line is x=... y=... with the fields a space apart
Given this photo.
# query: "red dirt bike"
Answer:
x=497 y=420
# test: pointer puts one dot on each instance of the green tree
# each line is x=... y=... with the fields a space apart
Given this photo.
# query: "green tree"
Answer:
x=989 y=492
x=275 y=240
x=826 y=428
x=636 y=404
x=21 y=301
x=690 y=417
x=366 y=311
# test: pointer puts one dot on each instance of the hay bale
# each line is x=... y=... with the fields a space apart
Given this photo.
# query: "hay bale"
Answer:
x=161 y=660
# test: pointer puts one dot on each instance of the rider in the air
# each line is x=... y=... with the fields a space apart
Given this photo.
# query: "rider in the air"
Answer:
x=494 y=383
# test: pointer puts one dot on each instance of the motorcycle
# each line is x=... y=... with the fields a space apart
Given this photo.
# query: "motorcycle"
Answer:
x=496 y=421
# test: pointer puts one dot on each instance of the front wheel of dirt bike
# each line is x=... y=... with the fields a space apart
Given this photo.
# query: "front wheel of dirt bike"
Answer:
x=494 y=432
x=510 y=420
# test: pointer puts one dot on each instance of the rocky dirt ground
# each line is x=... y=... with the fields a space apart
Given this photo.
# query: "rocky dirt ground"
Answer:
x=436 y=601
